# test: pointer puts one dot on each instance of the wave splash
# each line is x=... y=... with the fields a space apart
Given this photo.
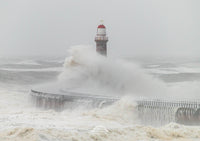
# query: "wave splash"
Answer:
x=85 y=69
x=116 y=122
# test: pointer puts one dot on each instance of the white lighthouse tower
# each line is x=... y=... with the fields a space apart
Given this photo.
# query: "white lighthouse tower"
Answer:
x=101 y=40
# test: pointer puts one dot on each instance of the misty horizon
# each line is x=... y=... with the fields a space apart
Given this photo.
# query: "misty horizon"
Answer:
x=134 y=28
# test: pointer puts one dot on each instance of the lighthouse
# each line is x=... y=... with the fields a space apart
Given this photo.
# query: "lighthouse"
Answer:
x=101 y=40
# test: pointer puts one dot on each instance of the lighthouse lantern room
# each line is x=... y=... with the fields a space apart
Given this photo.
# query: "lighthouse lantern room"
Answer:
x=101 y=40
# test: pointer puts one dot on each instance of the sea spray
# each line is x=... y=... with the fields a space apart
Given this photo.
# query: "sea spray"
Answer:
x=88 y=72
x=85 y=70
x=122 y=112
x=21 y=122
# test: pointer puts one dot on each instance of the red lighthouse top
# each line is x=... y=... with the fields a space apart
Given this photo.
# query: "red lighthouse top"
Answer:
x=101 y=26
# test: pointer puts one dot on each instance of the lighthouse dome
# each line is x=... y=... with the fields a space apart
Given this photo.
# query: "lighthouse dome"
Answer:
x=101 y=30
x=101 y=26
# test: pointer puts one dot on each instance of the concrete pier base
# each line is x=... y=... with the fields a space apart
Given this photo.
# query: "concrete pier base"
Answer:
x=68 y=100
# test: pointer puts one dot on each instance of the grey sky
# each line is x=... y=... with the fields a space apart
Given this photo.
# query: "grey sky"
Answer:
x=134 y=27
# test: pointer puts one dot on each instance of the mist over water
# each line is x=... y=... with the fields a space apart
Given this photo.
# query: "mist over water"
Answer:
x=87 y=72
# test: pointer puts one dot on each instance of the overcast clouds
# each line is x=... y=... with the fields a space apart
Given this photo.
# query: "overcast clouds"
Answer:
x=135 y=27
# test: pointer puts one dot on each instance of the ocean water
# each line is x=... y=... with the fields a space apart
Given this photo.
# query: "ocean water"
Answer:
x=83 y=70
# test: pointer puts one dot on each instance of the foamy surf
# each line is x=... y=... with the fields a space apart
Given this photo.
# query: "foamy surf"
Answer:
x=84 y=70
x=116 y=122
x=134 y=133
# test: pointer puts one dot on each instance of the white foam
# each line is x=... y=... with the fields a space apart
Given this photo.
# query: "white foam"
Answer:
x=85 y=69
x=20 y=121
